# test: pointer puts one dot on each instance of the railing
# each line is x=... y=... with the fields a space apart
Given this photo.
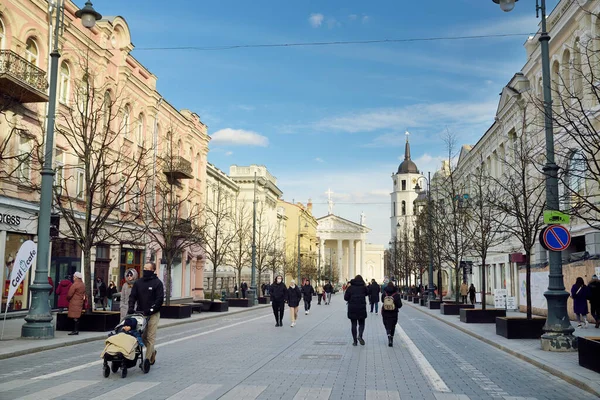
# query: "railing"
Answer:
x=178 y=164
x=13 y=64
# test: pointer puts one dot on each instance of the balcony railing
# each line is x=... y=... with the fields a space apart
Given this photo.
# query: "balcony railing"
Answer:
x=178 y=168
x=182 y=227
x=21 y=80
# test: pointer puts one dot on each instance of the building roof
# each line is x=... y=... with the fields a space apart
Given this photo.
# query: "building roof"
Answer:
x=407 y=166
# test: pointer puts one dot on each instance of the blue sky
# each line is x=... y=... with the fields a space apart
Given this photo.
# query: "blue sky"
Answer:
x=334 y=117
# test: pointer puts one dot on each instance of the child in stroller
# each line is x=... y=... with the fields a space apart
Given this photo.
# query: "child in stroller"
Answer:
x=124 y=347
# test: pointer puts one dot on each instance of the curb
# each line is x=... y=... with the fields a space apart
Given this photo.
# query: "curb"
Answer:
x=576 y=382
x=102 y=335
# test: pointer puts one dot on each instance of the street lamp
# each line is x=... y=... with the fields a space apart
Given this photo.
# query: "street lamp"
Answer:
x=431 y=290
x=558 y=332
x=299 y=236
x=38 y=322
x=252 y=291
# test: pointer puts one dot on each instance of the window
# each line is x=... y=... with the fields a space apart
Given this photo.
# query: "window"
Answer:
x=135 y=198
x=64 y=82
x=80 y=190
x=31 y=51
x=403 y=207
x=24 y=160
x=106 y=109
x=566 y=74
x=140 y=130
x=577 y=68
x=394 y=210
x=58 y=171
x=514 y=144
x=576 y=176
x=403 y=184
x=83 y=93
x=121 y=199
x=1 y=35
x=126 y=116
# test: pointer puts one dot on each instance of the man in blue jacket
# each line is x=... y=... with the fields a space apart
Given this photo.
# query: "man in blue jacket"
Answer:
x=148 y=292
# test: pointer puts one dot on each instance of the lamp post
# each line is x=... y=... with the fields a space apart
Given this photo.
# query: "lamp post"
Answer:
x=299 y=236
x=39 y=319
x=558 y=332
x=430 y=289
x=252 y=293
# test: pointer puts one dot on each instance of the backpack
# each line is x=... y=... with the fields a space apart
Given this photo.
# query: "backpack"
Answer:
x=388 y=303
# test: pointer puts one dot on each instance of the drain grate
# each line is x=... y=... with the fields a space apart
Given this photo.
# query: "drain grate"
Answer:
x=326 y=343
x=321 y=357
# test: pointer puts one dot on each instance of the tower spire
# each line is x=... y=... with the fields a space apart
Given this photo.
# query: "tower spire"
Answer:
x=407 y=148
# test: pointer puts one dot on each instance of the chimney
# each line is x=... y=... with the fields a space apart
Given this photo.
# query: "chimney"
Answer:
x=309 y=206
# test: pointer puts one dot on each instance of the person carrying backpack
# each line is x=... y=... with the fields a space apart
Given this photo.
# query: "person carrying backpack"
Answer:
x=389 y=311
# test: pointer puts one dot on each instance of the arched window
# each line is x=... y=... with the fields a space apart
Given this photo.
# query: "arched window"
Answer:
x=126 y=120
x=63 y=83
x=106 y=111
x=556 y=82
x=140 y=130
x=566 y=75
x=31 y=51
x=403 y=207
x=2 y=35
x=577 y=70
x=576 y=171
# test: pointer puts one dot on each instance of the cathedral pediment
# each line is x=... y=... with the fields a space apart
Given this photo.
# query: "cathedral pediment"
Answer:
x=333 y=223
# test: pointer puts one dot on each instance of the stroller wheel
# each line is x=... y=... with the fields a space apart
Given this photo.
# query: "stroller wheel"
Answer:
x=106 y=371
x=146 y=366
x=124 y=372
x=114 y=366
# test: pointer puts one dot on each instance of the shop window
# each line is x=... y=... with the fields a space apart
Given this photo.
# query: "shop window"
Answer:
x=24 y=160
x=20 y=299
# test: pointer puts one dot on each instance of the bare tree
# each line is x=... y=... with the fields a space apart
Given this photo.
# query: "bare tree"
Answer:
x=102 y=174
x=521 y=198
x=486 y=225
x=241 y=253
x=266 y=241
x=219 y=230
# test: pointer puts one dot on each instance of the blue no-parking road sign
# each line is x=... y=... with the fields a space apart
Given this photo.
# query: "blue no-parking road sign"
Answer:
x=555 y=238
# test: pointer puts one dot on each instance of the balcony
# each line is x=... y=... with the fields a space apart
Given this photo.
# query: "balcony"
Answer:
x=178 y=168
x=182 y=227
x=21 y=80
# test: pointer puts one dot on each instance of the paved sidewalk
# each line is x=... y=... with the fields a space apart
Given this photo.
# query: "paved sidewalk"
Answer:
x=563 y=365
x=12 y=345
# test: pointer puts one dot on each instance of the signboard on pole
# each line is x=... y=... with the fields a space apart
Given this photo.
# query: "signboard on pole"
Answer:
x=555 y=238
x=511 y=303
x=556 y=217
x=500 y=298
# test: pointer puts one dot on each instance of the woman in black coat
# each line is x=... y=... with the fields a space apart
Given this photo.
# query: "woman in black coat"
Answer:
x=278 y=294
x=294 y=295
x=357 y=307
x=374 y=291
x=307 y=294
x=390 y=317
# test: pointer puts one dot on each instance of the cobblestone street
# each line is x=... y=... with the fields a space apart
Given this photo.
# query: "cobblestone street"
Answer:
x=246 y=357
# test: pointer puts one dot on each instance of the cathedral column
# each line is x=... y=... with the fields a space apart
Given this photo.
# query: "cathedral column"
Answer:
x=363 y=256
x=351 y=259
x=320 y=263
x=340 y=257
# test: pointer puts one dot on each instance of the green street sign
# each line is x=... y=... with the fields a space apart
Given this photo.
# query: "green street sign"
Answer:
x=556 y=217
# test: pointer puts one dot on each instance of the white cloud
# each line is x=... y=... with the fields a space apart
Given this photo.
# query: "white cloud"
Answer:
x=228 y=153
x=239 y=137
x=316 y=20
x=365 y=19
x=318 y=159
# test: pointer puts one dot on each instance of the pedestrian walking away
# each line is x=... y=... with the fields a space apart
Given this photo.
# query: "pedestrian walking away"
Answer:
x=100 y=294
x=319 y=294
x=62 y=290
x=389 y=311
x=472 y=294
x=112 y=289
x=374 y=291
x=76 y=299
x=307 y=294
x=579 y=293
x=464 y=291
x=294 y=294
x=328 y=288
x=594 y=297
x=244 y=287
x=131 y=276
x=278 y=298
x=148 y=292
x=355 y=295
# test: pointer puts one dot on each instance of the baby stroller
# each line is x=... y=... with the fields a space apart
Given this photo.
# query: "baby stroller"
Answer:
x=120 y=359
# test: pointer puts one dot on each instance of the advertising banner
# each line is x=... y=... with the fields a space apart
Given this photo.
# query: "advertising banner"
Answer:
x=539 y=284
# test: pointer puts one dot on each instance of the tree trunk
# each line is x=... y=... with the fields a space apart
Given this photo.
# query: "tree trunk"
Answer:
x=483 y=303
x=528 y=282
x=457 y=283
x=168 y=282
x=87 y=274
x=214 y=284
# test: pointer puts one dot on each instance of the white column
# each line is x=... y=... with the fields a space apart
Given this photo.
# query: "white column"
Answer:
x=363 y=257
x=340 y=257
x=321 y=254
x=351 y=259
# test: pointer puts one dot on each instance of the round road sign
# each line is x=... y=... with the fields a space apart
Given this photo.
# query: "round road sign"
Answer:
x=555 y=238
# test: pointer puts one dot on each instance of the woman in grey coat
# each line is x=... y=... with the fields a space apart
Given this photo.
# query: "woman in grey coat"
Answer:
x=130 y=277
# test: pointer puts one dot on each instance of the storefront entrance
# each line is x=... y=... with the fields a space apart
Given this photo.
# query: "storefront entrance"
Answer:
x=65 y=261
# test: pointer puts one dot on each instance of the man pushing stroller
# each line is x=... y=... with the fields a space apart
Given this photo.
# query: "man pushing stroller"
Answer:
x=148 y=293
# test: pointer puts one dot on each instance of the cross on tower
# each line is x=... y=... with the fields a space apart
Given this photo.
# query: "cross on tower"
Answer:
x=329 y=200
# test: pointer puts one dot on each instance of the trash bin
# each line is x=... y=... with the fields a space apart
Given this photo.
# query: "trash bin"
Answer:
x=116 y=302
x=251 y=295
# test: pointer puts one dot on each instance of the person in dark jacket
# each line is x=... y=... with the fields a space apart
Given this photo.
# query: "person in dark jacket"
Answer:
x=594 y=297
x=148 y=292
x=62 y=290
x=112 y=289
x=244 y=287
x=357 y=307
x=472 y=294
x=307 y=294
x=579 y=293
x=294 y=295
x=390 y=317
x=328 y=288
x=278 y=294
x=100 y=294
x=374 y=291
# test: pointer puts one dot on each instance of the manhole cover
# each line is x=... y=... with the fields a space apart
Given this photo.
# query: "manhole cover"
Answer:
x=320 y=356
x=325 y=343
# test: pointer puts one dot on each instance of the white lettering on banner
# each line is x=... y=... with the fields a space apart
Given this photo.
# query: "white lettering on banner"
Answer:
x=10 y=219
x=23 y=261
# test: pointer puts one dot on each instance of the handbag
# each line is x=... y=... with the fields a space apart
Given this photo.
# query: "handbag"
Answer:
x=85 y=305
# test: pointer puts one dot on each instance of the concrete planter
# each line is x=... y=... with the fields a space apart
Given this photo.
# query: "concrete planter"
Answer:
x=423 y=302
x=205 y=304
x=176 y=311
x=477 y=316
x=416 y=300
x=520 y=328
x=588 y=349
x=434 y=304
x=240 y=302
x=96 y=321
x=264 y=300
x=453 y=308
x=409 y=298
x=219 y=306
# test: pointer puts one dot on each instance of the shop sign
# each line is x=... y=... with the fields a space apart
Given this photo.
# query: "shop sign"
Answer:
x=23 y=261
x=10 y=219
